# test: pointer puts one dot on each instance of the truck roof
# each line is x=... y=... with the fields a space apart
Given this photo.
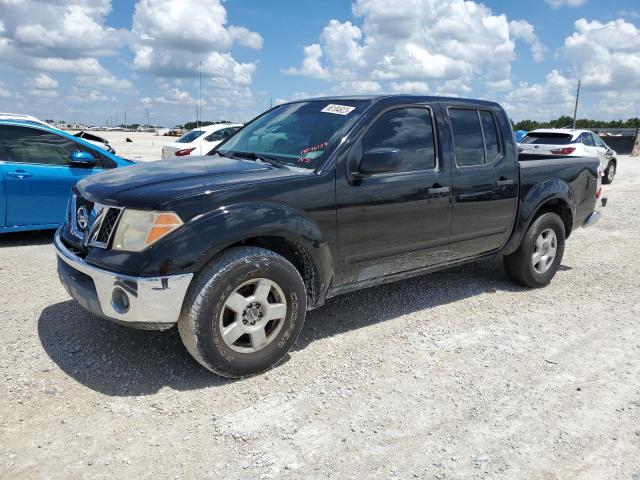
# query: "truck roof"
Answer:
x=400 y=98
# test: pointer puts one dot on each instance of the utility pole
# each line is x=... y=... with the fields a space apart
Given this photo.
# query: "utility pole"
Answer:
x=199 y=109
x=116 y=119
x=575 y=110
x=148 y=123
x=125 y=119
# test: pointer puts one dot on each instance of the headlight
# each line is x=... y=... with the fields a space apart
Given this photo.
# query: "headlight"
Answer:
x=138 y=229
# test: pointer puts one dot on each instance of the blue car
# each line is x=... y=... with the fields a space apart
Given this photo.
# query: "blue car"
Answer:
x=38 y=167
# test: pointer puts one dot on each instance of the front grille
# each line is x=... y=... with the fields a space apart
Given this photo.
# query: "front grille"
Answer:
x=108 y=225
x=92 y=222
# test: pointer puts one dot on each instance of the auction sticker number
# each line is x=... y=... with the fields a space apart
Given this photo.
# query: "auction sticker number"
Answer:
x=338 y=109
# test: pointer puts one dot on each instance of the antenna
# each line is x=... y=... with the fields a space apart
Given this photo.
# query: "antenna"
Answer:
x=575 y=110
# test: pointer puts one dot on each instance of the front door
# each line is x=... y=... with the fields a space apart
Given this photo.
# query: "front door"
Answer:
x=396 y=221
x=38 y=175
x=485 y=182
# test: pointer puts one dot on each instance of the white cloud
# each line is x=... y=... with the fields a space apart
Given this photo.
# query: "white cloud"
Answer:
x=605 y=56
x=58 y=37
x=170 y=41
x=541 y=100
x=566 y=3
x=4 y=91
x=523 y=30
x=448 y=43
x=42 y=82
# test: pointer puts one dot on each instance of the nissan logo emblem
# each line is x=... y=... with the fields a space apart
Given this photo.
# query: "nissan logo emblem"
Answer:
x=82 y=218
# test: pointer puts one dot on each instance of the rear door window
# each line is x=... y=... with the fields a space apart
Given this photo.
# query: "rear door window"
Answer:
x=587 y=140
x=467 y=137
x=491 y=138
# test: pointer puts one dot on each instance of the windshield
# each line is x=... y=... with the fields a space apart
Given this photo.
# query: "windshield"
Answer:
x=543 y=138
x=301 y=134
x=190 y=136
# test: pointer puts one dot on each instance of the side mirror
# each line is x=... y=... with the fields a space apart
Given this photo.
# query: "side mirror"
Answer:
x=82 y=159
x=379 y=160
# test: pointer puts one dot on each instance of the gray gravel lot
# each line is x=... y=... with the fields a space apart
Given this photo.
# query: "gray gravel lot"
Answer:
x=458 y=374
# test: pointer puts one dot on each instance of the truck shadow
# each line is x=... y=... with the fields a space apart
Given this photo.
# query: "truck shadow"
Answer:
x=384 y=302
x=119 y=361
x=25 y=239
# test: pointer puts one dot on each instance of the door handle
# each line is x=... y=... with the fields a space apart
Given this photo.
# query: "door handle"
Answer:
x=503 y=181
x=19 y=174
x=435 y=190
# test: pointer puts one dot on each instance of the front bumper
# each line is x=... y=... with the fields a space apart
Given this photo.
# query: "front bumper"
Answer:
x=150 y=303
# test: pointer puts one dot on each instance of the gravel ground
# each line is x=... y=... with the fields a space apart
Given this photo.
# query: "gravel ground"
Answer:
x=458 y=374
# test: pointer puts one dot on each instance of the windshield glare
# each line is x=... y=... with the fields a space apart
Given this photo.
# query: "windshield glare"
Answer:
x=190 y=136
x=301 y=134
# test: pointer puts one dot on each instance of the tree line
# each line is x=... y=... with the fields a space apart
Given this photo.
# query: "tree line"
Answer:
x=566 y=121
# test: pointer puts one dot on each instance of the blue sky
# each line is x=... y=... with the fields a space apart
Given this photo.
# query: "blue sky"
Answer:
x=88 y=60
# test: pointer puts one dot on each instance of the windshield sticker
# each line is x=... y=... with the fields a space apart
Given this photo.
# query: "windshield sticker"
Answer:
x=320 y=146
x=338 y=109
x=304 y=160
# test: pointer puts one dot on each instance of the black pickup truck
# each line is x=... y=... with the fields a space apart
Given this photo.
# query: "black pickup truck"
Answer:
x=309 y=200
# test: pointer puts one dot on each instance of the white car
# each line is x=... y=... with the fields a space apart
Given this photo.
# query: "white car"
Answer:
x=199 y=141
x=569 y=142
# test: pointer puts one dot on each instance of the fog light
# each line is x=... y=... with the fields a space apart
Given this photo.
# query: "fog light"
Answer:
x=120 y=300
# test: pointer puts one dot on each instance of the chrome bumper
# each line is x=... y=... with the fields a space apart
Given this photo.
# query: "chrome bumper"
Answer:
x=151 y=303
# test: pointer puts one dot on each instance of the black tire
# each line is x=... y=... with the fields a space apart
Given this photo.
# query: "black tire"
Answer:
x=609 y=173
x=519 y=265
x=199 y=323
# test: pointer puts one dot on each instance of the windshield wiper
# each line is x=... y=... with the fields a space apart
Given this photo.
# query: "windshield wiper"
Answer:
x=261 y=157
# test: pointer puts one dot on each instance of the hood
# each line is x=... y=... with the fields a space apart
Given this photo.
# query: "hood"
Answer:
x=150 y=185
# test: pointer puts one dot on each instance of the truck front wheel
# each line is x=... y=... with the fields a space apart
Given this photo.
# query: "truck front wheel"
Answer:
x=537 y=259
x=244 y=312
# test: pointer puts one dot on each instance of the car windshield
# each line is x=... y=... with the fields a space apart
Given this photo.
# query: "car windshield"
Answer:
x=300 y=134
x=190 y=136
x=543 y=138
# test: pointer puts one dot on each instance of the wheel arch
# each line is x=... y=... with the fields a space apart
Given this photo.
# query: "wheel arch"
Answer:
x=279 y=228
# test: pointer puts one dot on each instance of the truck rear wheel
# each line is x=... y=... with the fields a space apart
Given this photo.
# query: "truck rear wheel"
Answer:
x=244 y=312
x=536 y=261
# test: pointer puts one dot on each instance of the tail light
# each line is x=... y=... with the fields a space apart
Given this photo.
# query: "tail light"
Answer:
x=563 y=151
x=184 y=152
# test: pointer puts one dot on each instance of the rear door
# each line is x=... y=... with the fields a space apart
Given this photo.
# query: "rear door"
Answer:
x=601 y=149
x=398 y=221
x=38 y=175
x=485 y=181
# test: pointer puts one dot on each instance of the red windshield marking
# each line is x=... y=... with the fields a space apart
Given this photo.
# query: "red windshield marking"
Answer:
x=320 y=146
x=304 y=160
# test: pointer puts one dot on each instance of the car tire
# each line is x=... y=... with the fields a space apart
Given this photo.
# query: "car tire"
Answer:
x=609 y=173
x=536 y=261
x=243 y=312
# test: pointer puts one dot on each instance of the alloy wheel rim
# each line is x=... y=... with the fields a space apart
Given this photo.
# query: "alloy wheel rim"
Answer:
x=544 y=250
x=252 y=315
x=611 y=172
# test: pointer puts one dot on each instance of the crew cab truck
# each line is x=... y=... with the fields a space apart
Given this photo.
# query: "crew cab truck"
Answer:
x=309 y=200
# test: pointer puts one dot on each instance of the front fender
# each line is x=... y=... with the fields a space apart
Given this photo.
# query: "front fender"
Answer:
x=230 y=225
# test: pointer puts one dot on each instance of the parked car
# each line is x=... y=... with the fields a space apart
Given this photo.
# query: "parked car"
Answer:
x=38 y=166
x=313 y=199
x=572 y=143
x=199 y=141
